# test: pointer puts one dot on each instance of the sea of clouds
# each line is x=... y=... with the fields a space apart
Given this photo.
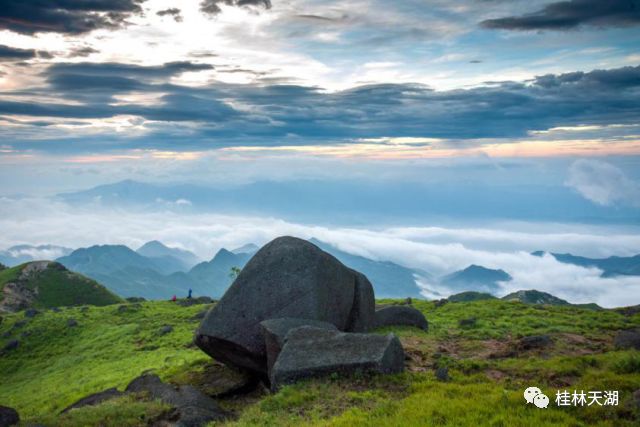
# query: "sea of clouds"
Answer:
x=438 y=250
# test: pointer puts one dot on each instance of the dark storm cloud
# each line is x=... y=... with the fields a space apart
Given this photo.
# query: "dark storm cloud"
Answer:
x=12 y=54
x=571 y=14
x=212 y=7
x=173 y=12
x=65 y=16
x=127 y=70
x=302 y=114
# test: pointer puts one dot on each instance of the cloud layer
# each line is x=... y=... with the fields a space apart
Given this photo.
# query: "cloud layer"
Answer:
x=564 y=15
x=436 y=250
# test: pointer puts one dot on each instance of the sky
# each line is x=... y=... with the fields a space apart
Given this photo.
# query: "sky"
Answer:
x=476 y=117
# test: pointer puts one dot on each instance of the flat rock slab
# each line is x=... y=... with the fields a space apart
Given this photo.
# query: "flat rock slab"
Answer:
x=275 y=331
x=193 y=407
x=312 y=352
x=94 y=399
x=400 y=315
x=288 y=277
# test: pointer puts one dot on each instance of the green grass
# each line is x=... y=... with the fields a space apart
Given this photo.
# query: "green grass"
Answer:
x=56 y=365
x=57 y=287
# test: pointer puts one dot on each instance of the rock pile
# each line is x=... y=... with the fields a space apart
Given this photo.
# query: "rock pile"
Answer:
x=295 y=312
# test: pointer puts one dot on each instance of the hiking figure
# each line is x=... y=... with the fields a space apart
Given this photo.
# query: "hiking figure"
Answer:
x=174 y=298
x=189 y=296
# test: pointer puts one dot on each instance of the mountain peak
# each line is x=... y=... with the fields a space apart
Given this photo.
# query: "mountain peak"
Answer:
x=249 y=248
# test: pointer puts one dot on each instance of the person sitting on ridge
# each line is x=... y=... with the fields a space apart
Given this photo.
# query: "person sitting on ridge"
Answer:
x=189 y=296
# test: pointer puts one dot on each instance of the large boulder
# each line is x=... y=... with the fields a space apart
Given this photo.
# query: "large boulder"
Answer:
x=312 y=352
x=275 y=331
x=8 y=416
x=193 y=407
x=288 y=277
x=400 y=315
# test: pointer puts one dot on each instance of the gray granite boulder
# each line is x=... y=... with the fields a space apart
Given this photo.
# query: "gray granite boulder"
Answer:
x=193 y=408
x=288 y=277
x=275 y=331
x=312 y=352
x=8 y=416
x=400 y=315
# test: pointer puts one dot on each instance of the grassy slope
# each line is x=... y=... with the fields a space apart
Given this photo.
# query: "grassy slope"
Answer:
x=62 y=288
x=56 y=365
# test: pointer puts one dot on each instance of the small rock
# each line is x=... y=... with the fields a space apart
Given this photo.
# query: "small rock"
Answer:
x=136 y=299
x=400 y=315
x=534 y=342
x=31 y=312
x=55 y=309
x=19 y=324
x=635 y=398
x=94 y=399
x=311 y=352
x=468 y=323
x=8 y=416
x=72 y=323
x=442 y=374
x=11 y=345
x=193 y=407
x=628 y=339
x=166 y=329
x=203 y=300
x=440 y=302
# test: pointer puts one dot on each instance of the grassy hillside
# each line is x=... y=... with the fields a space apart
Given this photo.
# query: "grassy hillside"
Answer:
x=55 y=286
x=56 y=364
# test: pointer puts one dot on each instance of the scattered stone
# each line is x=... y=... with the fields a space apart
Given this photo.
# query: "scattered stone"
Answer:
x=11 y=345
x=220 y=381
x=440 y=302
x=635 y=398
x=311 y=352
x=19 y=324
x=193 y=408
x=55 y=309
x=166 y=329
x=288 y=277
x=627 y=339
x=72 y=323
x=468 y=323
x=31 y=312
x=396 y=315
x=534 y=342
x=135 y=299
x=442 y=374
x=8 y=416
x=275 y=331
x=628 y=311
x=203 y=300
x=94 y=399
x=124 y=308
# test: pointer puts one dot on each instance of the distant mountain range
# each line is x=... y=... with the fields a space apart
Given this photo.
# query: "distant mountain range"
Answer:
x=523 y=296
x=356 y=201
x=155 y=272
x=612 y=266
x=475 y=278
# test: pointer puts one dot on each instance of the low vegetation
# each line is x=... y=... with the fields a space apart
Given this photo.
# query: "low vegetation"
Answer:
x=56 y=364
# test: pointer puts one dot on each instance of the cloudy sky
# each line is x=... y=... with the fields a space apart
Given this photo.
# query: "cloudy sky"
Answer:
x=485 y=116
